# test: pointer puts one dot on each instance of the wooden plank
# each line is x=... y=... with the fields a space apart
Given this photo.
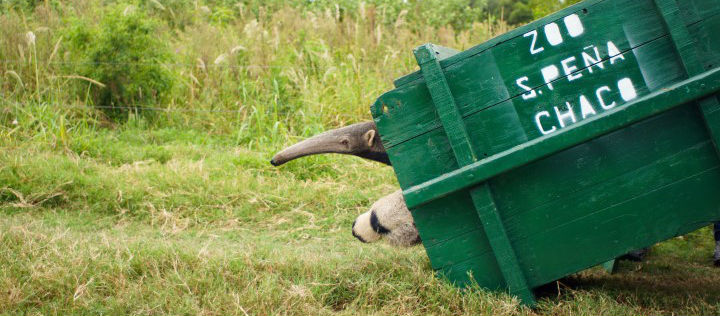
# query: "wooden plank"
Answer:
x=445 y=104
x=417 y=76
x=687 y=49
x=550 y=192
x=444 y=220
x=454 y=127
x=621 y=228
x=498 y=128
x=704 y=34
x=656 y=174
x=637 y=172
x=481 y=270
x=586 y=167
x=500 y=243
x=490 y=77
x=653 y=104
x=680 y=35
x=695 y=10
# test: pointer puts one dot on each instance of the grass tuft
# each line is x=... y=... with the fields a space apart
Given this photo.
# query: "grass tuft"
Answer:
x=173 y=208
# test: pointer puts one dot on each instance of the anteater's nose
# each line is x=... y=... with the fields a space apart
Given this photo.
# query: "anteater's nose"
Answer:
x=356 y=235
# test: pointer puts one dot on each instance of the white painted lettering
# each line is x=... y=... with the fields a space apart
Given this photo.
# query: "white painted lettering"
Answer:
x=603 y=104
x=539 y=124
x=550 y=73
x=573 y=67
x=530 y=92
x=552 y=32
x=586 y=108
x=627 y=89
x=533 y=49
x=614 y=52
x=564 y=116
x=569 y=69
x=591 y=61
x=574 y=25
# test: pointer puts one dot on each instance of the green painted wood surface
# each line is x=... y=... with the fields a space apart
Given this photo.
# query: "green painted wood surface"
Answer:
x=689 y=54
x=634 y=164
x=454 y=127
x=653 y=104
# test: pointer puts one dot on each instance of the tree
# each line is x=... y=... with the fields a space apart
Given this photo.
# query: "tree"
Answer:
x=541 y=8
x=520 y=14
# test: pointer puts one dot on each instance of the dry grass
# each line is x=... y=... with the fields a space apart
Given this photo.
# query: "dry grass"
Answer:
x=180 y=213
x=215 y=230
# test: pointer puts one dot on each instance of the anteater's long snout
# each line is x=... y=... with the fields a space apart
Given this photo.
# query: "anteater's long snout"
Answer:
x=359 y=140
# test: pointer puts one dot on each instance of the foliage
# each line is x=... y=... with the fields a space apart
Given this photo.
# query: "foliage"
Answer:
x=521 y=12
x=9 y=5
x=180 y=213
x=126 y=55
x=460 y=14
x=178 y=14
x=542 y=8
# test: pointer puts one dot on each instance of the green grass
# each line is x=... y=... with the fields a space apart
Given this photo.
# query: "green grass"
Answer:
x=163 y=221
x=179 y=212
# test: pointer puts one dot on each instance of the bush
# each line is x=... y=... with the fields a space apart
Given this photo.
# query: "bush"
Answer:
x=460 y=14
x=125 y=53
x=178 y=14
x=9 y=5
x=542 y=8
x=520 y=14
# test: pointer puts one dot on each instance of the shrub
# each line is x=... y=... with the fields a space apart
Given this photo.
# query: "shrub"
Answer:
x=127 y=54
x=178 y=14
x=460 y=14
x=520 y=14
x=9 y=5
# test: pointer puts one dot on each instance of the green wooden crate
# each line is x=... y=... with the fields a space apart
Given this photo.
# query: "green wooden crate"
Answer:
x=562 y=144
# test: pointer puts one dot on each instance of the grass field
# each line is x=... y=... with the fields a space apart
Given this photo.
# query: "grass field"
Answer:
x=173 y=208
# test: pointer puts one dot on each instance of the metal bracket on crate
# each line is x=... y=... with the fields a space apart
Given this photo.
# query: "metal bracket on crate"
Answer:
x=428 y=57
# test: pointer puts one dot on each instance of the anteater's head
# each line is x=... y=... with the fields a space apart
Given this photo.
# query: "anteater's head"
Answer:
x=387 y=219
x=360 y=140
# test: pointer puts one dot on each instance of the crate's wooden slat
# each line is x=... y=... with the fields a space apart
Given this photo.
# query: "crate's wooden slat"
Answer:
x=488 y=78
x=658 y=102
x=493 y=196
x=454 y=126
x=689 y=54
x=651 y=67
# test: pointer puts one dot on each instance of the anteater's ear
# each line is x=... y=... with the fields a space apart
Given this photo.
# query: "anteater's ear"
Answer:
x=370 y=137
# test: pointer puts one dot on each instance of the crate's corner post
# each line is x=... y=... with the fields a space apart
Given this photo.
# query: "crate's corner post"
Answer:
x=428 y=57
x=687 y=51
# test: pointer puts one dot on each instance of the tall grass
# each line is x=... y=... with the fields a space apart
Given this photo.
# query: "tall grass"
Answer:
x=263 y=74
x=250 y=75
x=172 y=208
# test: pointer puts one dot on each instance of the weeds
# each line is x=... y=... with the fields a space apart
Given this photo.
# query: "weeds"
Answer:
x=179 y=212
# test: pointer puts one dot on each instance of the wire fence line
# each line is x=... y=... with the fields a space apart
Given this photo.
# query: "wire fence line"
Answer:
x=197 y=64
x=156 y=108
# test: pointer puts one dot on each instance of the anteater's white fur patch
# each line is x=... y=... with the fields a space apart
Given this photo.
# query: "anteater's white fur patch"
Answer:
x=393 y=215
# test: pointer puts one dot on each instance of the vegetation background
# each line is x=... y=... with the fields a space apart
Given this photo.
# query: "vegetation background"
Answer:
x=134 y=176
